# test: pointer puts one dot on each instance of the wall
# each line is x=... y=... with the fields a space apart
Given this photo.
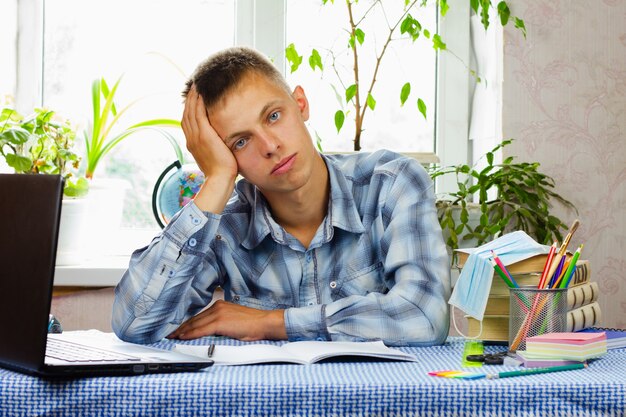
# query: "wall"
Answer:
x=564 y=100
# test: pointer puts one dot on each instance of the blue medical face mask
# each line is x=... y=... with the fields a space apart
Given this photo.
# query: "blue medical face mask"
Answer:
x=471 y=292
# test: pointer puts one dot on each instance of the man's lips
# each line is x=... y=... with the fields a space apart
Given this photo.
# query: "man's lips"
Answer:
x=284 y=165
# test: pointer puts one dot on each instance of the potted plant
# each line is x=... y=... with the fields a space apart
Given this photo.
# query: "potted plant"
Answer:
x=43 y=143
x=103 y=133
x=501 y=197
x=357 y=76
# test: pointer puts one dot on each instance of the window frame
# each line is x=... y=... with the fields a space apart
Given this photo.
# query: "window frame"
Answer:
x=453 y=83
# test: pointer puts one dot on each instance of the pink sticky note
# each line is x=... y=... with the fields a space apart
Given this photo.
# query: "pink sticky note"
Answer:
x=570 y=338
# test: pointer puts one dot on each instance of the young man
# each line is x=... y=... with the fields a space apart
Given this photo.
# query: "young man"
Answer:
x=307 y=247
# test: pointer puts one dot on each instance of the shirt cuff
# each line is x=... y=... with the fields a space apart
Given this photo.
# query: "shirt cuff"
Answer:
x=192 y=228
x=306 y=323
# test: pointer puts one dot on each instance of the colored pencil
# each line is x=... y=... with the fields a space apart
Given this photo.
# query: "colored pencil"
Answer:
x=572 y=267
x=501 y=265
x=533 y=371
x=544 y=273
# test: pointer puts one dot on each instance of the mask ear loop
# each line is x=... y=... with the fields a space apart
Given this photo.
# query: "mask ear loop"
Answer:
x=460 y=332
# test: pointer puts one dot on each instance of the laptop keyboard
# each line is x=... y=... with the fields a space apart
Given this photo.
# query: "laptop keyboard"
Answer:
x=71 y=352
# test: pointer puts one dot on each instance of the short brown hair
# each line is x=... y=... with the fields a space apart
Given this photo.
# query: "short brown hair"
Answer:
x=224 y=70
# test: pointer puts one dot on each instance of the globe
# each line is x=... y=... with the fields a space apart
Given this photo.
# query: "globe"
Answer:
x=176 y=186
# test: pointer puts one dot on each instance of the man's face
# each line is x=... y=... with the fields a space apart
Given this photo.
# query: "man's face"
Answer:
x=263 y=126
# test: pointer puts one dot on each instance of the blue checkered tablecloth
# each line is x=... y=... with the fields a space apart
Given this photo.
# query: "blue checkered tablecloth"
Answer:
x=327 y=389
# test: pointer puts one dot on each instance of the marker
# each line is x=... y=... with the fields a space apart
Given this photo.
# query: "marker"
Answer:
x=532 y=371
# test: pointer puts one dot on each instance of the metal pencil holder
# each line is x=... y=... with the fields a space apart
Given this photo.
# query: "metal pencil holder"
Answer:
x=534 y=311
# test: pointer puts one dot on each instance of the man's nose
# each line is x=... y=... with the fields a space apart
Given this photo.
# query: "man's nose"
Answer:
x=269 y=144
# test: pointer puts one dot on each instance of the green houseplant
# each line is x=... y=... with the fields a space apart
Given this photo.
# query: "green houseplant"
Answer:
x=505 y=196
x=41 y=143
x=357 y=73
x=104 y=131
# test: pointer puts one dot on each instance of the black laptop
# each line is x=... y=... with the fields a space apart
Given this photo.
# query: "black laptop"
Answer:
x=30 y=210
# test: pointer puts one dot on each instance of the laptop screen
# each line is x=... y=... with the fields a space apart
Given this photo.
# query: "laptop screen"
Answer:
x=30 y=208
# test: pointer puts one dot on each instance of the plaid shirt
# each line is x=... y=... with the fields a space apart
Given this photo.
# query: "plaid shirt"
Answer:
x=377 y=267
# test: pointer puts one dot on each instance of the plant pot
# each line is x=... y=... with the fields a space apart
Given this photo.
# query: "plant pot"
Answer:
x=72 y=236
x=105 y=202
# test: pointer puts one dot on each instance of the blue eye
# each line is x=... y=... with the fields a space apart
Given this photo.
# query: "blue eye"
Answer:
x=240 y=143
x=274 y=116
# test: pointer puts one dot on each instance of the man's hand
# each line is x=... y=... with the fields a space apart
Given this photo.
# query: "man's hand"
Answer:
x=210 y=153
x=232 y=320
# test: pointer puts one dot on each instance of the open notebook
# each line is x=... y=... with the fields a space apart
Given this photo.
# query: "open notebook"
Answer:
x=30 y=210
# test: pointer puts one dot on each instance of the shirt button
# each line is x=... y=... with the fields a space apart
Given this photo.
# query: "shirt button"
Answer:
x=192 y=242
x=308 y=257
x=311 y=303
x=170 y=273
x=333 y=284
x=218 y=237
x=320 y=339
x=236 y=298
x=195 y=220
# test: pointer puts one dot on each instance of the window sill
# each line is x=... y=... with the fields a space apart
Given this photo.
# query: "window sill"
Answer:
x=102 y=272
x=107 y=268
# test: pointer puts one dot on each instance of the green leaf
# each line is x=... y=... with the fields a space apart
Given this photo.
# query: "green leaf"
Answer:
x=315 y=60
x=438 y=44
x=504 y=12
x=350 y=92
x=519 y=24
x=404 y=93
x=360 y=36
x=340 y=117
x=16 y=136
x=293 y=57
x=421 y=106
x=474 y=5
x=426 y=33
x=371 y=102
x=19 y=163
x=443 y=7
x=76 y=189
x=489 y=158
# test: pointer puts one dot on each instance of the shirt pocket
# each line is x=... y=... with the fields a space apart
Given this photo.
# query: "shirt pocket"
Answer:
x=361 y=282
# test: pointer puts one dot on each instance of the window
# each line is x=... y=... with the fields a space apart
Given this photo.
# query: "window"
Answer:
x=313 y=25
x=155 y=44
x=64 y=44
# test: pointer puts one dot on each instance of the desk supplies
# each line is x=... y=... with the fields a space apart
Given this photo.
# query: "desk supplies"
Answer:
x=615 y=338
x=306 y=352
x=534 y=371
x=472 y=348
x=457 y=374
x=556 y=261
x=567 y=345
x=547 y=314
x=530 y=361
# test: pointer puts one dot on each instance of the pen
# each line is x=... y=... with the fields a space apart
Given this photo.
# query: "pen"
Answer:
x=210 y=351
x=532 y=371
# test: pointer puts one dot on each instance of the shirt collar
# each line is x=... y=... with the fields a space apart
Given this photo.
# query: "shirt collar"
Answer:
x=342 y=211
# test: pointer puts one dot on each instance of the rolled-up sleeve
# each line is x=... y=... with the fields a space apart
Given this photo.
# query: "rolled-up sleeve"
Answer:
x=167 y=281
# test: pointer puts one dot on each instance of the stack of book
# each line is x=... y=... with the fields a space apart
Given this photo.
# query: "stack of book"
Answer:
x=582 y=295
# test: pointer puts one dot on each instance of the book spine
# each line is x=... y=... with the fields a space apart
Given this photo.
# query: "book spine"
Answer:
x=581 y=274
x=584 y=317
x=582 y=295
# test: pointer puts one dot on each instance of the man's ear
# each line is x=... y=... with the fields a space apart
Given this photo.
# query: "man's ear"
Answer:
x=303 y=103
